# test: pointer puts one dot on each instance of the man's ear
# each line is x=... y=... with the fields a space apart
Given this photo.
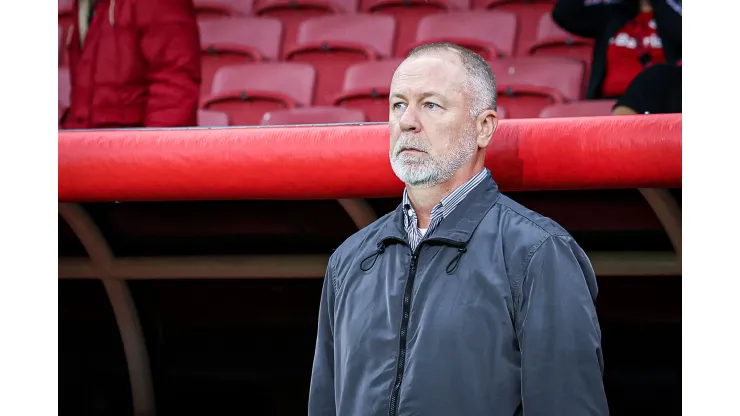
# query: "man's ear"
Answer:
x=486 y=124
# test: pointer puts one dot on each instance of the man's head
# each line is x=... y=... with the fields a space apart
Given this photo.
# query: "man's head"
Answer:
x=442 y=113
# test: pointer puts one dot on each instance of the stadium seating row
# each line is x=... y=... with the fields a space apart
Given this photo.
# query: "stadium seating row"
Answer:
x=330 y=115
x=507 y=28
x=292 y=105
x=332 y=43
x=246 y=91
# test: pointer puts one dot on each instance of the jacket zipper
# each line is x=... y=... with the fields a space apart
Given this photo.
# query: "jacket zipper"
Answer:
x=407 y=292
x=403 y=332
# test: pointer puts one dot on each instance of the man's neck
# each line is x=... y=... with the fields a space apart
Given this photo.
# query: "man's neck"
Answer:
x=423 y=200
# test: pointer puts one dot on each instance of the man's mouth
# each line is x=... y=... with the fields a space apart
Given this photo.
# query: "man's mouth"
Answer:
x=411 y=150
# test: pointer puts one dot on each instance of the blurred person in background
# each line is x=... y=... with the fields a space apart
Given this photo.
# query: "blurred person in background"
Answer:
x=133 y=63
x=656 y=90
x=630 y=36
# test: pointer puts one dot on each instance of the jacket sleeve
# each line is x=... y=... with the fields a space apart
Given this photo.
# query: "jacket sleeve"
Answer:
x=582 y=17
x=321 y=392
x=170 y=44
x=559 y=334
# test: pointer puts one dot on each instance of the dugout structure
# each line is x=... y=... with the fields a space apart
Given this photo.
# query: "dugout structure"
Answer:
x=138 y=207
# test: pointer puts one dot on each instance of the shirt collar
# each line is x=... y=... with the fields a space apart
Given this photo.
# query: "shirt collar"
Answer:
x=449 y=202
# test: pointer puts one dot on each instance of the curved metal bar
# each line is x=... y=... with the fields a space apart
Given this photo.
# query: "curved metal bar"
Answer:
x=360 y=211
x=668 y=212
x=124 y=308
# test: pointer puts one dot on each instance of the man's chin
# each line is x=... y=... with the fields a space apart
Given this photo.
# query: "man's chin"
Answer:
x=411 y=158
x=413 y=177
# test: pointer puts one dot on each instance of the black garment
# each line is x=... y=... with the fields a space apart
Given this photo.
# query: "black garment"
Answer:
x=491 y=315
x=602 y=21
x=656 y=90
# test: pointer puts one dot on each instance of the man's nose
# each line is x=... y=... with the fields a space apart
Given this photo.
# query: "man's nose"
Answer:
x=409 y=120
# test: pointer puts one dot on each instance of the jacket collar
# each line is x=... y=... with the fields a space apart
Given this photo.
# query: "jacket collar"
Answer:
x=457 y=228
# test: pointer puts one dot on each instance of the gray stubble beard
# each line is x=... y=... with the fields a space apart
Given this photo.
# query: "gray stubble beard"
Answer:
x=429 y=170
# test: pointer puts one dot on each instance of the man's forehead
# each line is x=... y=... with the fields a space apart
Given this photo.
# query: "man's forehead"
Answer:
x=431 y=71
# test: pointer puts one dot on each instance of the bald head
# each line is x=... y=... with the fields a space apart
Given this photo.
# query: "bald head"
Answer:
x=480 y=84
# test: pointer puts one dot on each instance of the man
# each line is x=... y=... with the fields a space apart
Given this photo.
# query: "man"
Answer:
x=461 y=301
x=133 y=63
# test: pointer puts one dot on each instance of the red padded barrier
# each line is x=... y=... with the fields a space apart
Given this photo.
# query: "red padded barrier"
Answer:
x=352 y=161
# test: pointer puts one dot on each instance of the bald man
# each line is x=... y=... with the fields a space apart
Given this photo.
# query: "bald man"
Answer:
x=461 y=302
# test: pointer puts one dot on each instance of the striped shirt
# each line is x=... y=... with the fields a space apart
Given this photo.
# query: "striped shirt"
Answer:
x=439 y=212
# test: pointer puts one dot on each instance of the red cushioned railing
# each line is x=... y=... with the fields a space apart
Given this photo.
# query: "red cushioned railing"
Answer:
x=351 y=161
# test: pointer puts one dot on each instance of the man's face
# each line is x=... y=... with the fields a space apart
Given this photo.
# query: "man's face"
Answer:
x=432 y=134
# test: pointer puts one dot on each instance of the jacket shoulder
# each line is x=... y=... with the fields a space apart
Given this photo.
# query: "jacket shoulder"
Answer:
x=523 y=232
x=541 y=226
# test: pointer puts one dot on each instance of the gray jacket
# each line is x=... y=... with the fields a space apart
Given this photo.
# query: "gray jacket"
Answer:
x=493 y=314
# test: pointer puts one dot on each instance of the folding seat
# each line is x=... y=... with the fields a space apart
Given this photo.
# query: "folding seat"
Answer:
x=332 y=43
x=211 y=118
x=236 y=40
x=500 y=111
x=490 y=34
x=294 y=12
x=312 y=115
x=408 y=13
x=525 y=85
x=529 y=13
x=209 y=9
x=246 y=92
x=64 y=86
x=367 y=87
x=552 y=40
x=65 y=13
x=586 y=108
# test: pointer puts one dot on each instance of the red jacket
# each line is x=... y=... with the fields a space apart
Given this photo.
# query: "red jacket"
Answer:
x=139 y=65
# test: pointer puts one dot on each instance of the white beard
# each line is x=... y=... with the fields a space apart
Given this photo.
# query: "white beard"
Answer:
x=427 y=170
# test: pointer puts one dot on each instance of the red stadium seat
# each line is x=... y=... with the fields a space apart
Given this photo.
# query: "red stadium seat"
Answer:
x=408 y=13
x=501 y=112
x=236 y=40
x=65 y=13
x=64 y=86
x=246 y=92
x=332 y=43
x=312 y=115
x=490 y=34
x=294 y=12
x=208 y=9
x=526 y=85
x=210 y=118
x=529 y=13
x=586 y=108
x=367 y=86
x=552 y=40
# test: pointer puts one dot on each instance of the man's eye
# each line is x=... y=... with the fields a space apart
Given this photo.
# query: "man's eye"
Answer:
x=432 y=106
x=397 y=106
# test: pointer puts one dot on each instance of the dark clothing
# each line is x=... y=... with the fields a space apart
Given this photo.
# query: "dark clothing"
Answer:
x=603 y=20
x=656 y=90
x=138 y=66
x=493 y=314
